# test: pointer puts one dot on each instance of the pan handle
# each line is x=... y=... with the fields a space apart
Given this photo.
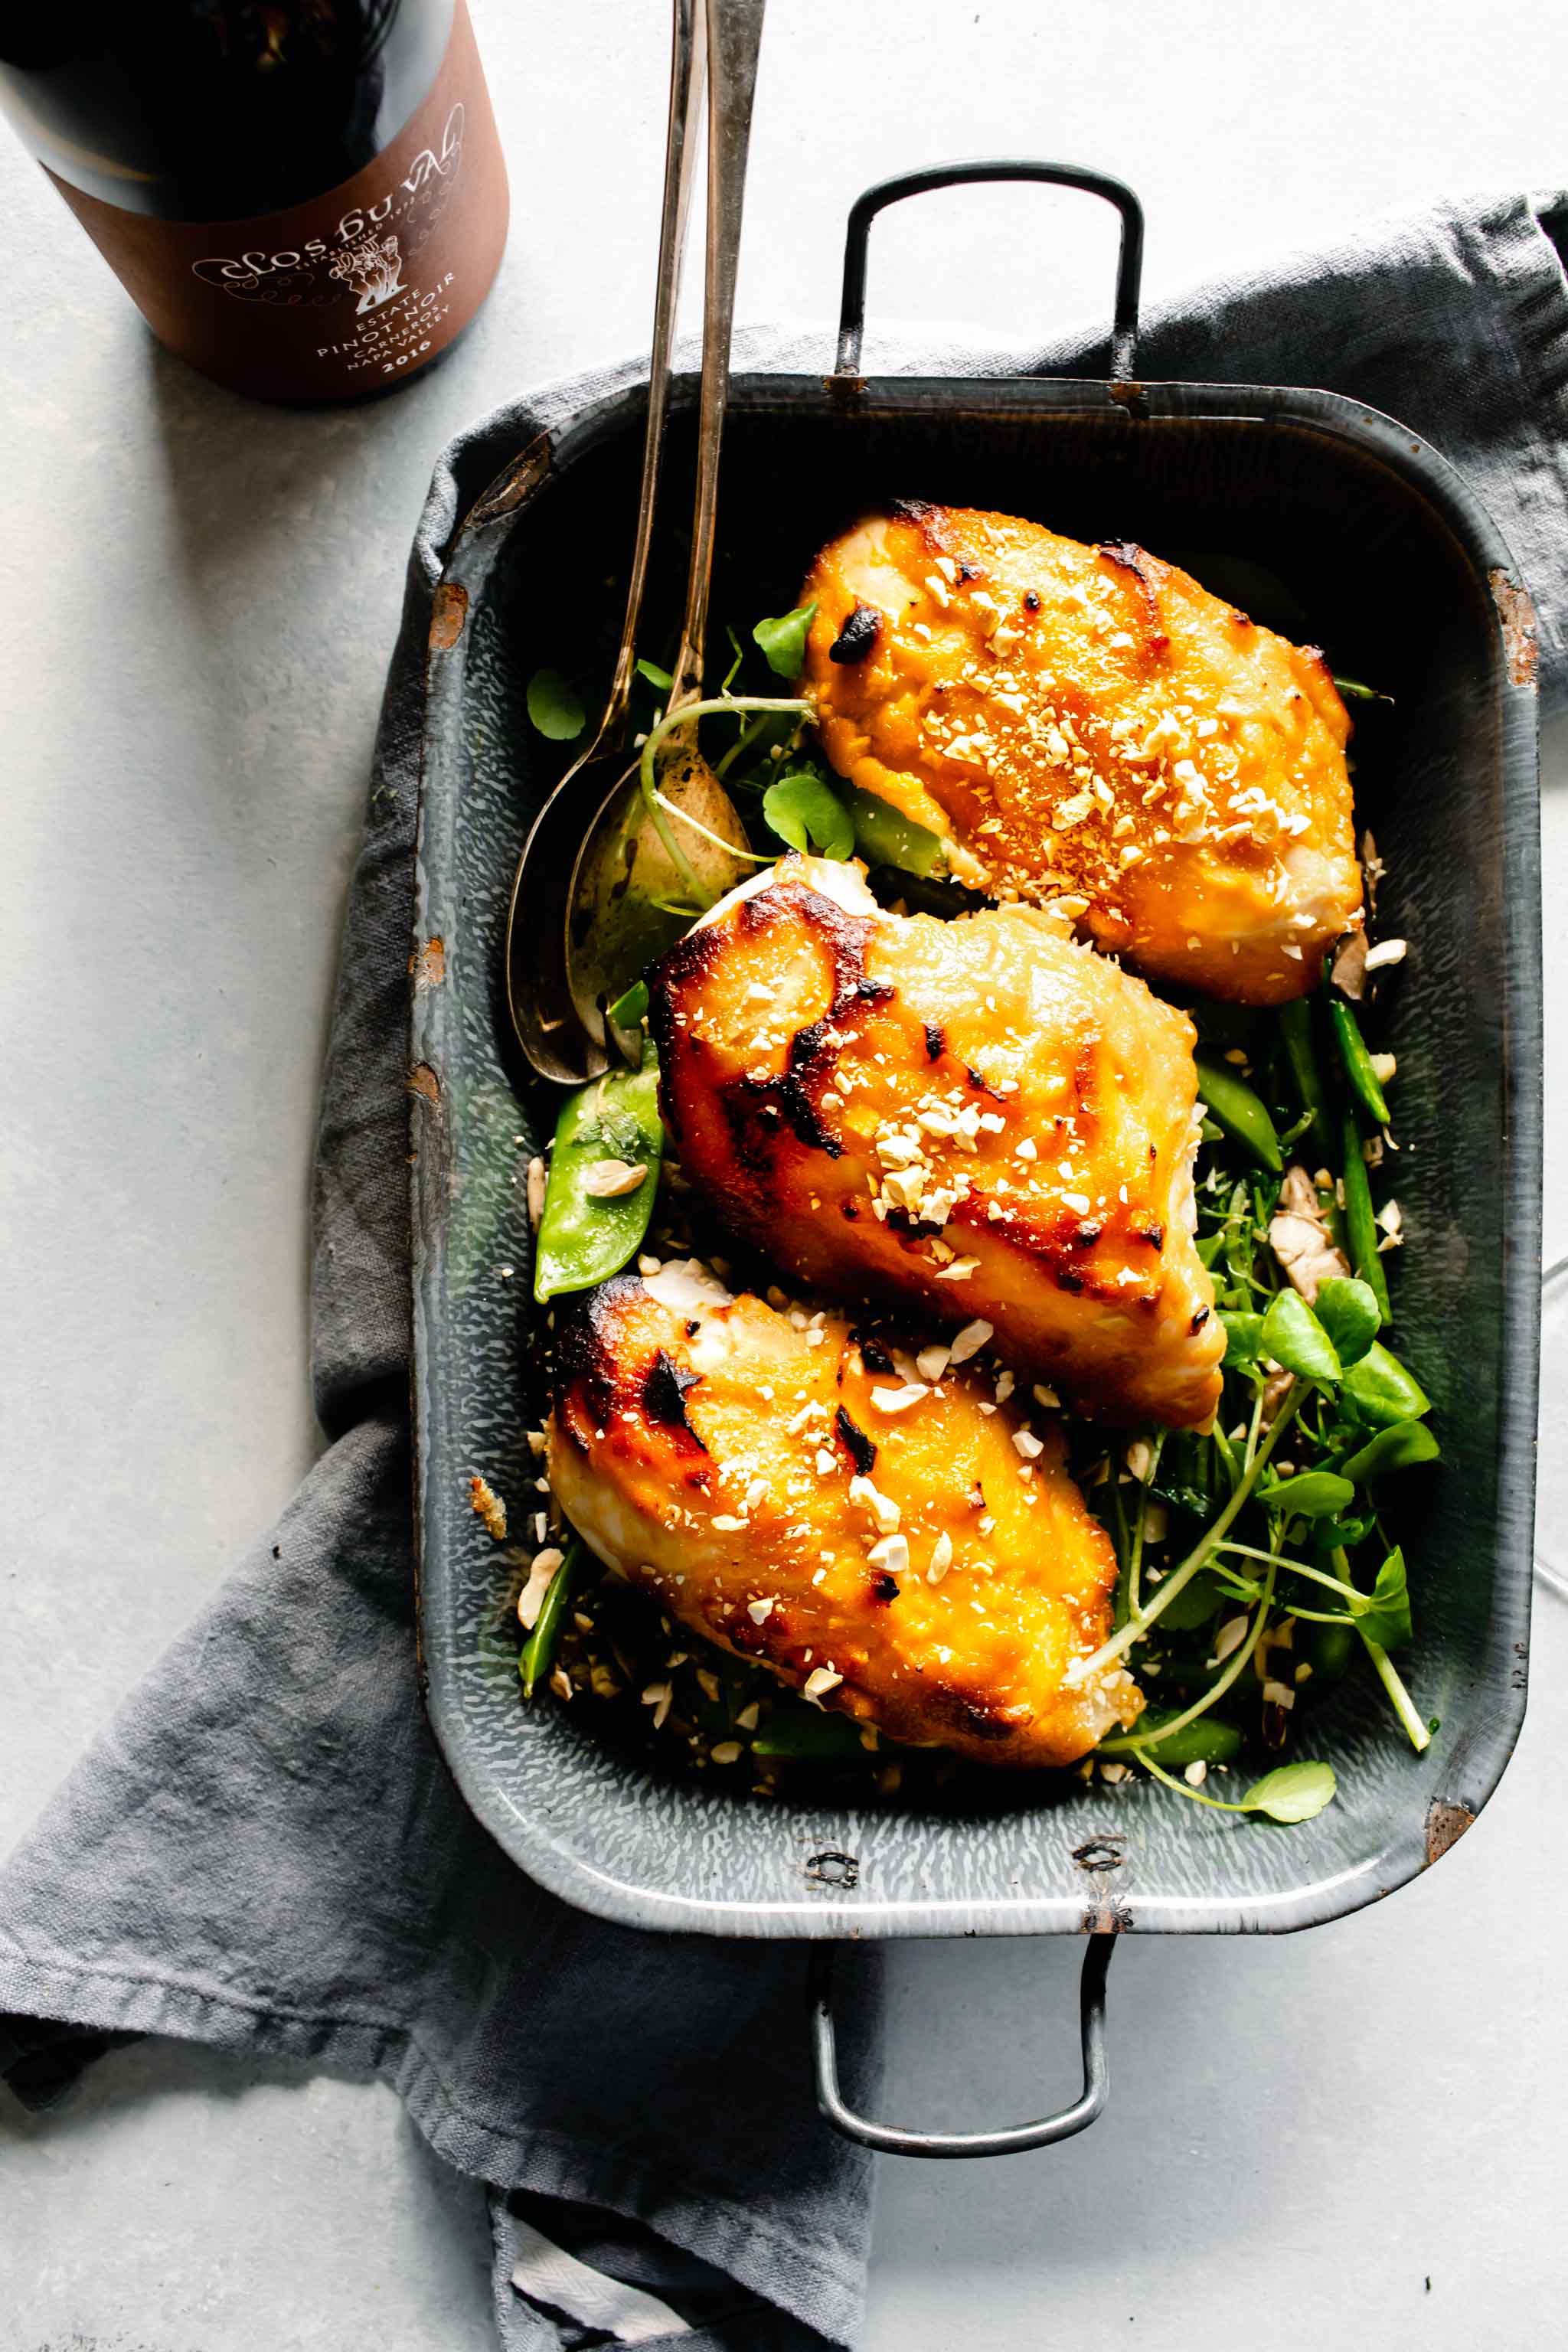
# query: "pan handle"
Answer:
x=890 y=2141
x=1129 y=262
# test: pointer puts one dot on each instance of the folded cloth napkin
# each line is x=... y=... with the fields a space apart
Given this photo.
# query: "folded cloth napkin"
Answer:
x=265 y=1850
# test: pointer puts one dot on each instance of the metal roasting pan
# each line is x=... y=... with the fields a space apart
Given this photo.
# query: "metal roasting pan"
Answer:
x=1407 y=577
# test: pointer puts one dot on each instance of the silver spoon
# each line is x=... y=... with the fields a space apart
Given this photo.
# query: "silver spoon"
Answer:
x=630 y=869
x=538 y=995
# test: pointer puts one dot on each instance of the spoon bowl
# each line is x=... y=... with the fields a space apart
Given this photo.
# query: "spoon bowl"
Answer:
x=549 y=1028
x=642 y=875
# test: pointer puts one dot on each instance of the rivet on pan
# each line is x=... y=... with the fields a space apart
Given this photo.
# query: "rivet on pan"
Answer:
x=1099 y=1853
x=834 y=1869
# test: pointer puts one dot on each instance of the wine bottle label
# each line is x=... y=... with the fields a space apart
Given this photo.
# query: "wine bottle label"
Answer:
x=349 y=293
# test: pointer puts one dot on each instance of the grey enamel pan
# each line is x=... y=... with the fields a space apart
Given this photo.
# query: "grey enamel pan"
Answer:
x=1393 y=556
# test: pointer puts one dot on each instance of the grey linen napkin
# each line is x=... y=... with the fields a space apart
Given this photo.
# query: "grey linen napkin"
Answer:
x=265 y=1850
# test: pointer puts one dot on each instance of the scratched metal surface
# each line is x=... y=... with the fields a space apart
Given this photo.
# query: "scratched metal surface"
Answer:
x=1340 y=501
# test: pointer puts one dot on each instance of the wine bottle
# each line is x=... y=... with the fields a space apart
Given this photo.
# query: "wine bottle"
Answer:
x=306 y=198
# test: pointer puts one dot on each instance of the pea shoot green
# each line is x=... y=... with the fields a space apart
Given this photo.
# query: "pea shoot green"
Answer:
x=1243 y=1610
x=1254 y=1564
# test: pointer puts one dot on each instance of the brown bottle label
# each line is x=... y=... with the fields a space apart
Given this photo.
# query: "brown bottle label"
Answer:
x=350 y=293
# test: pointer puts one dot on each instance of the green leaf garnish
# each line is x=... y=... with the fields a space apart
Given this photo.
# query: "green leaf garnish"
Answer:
x=1398 y=1447
x=1315 y=1495
x=782 y=640
x=1293 y=1336
x=553 y=706
x=1386 y=1619
x=1349 y=1312
x=808 y=813
x=1382 y=1392
x=1243 y=1337
x=1292 y=1793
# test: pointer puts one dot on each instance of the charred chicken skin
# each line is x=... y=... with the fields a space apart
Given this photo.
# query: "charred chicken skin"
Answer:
x=978 y=1120
x=880 y=1543
x=1088 y=727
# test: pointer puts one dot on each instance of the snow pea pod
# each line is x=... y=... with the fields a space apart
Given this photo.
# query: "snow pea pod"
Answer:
x=538 y=1653
x=1360 y=1224
x=1364 y=1082
x=1207 y=1739
x=604 y=1177
x=1295 y=1028
x=799 y=1734
x=1240 y=1112
x=885 y=836
x=628 y=1010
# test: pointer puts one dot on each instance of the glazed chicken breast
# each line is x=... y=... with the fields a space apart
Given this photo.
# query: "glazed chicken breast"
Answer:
x=978 y=1120
x=1087 y=727
x=905 y=1549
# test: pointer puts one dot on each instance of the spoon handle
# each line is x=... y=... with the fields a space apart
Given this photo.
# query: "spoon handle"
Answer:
x=734 y=39
x=688 y=59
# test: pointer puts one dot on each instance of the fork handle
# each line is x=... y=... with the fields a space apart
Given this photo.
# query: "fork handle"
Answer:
x=688 y=56
x=734 y=40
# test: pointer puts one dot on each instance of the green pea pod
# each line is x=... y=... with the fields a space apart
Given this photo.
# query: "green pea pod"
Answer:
x=1382 y=1392
x=1205 y=1740
x=1398 y=1447
x=799 y=1734
x=584 y=1236
x=538 y=1653
x=1364 y=1082
x=1295 y=1028
x=1240 y=1112
x=885 y=836
x=1329 y=1649
x=1194 y=1605
x=628 y=1010
x=1361 y=1224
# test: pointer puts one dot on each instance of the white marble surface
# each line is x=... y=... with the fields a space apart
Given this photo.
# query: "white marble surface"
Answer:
x=201 y=598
